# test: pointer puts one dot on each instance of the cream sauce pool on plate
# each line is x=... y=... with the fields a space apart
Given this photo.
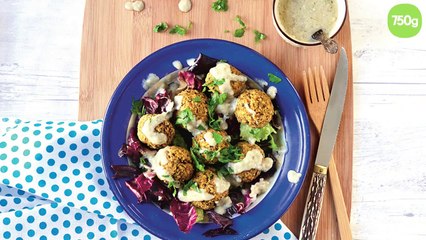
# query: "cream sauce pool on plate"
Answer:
x=301 y=18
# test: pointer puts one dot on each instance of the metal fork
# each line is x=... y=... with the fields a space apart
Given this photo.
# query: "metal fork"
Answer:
x=317 y=94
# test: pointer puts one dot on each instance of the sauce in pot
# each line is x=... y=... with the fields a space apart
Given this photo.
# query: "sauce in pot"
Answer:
x=299 y=19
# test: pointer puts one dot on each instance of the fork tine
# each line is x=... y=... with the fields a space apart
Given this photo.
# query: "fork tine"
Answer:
x=306 y=87
x=318 y=85
x=311 y=82
x=324 y=83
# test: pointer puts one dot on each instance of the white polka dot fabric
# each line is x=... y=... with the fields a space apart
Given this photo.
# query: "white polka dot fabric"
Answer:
x=52 y=185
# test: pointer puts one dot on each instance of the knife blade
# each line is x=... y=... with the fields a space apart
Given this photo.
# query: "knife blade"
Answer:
x=327 y=140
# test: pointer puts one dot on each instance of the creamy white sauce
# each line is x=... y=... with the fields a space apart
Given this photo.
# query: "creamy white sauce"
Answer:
x=148 y=129
x=272 y=92
x=190 y=61
x=157 y=163
x=258 y=188
x=300 y=19
x=223 y=71
x=193 y=125
x=262 y=83
x=221 y=184
x=227 y=108
x=208 y=137
x=185 y=5
x=222 y=205
x=138 y=6
x=178 y=102
x=249 y=110
x=253 y=160
x=192 y=196
x=128 y=6
x=293 y=176
x=150 y=80
x=177 y=64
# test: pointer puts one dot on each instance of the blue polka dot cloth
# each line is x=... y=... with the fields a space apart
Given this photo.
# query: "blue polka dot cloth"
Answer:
x=52 y=185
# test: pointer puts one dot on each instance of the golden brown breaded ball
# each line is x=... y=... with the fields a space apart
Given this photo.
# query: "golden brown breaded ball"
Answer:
x=179 y=164
x=237 y=86
x=204 y=145
x=252 y=174
x=205 y=180
x=165 y=127
x=254 y=108
x=198 y=107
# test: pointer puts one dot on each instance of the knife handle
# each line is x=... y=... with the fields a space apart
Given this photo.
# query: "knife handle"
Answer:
x=313 y=205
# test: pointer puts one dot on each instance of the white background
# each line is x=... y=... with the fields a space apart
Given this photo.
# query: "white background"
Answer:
x=39 y=79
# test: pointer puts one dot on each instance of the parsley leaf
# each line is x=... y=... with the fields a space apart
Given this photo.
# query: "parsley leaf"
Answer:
x=178 y=29
x=259 y=36
x=201 y=127
x=197 y=99
x=172 y=185
x=238 y=19
x=138 y=108
x=230 y=154
x=184 y=117
x=190 y=185
x=161 y=27
x=239 y=32
x=216 y=82
x=274 y=78
x=195 y=151
x=224 y=171
x=217 y=137
x=215 y=100
x=220 y=5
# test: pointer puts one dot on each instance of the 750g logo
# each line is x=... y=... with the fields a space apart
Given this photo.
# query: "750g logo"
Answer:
x=404 y=20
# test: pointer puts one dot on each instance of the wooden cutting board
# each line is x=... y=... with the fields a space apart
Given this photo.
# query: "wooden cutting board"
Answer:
x=115 y=39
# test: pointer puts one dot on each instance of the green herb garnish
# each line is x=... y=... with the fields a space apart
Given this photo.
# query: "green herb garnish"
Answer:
x=195 y=154
x=238 y=19
x=274 y=78
x=230 y=154
x=213 y=102
x=138 y=107
x=161 y=27
x=217 y=137
x=239 y=32
x=215 y=82
x=190 y=185
x=172 y=185
x=224 y=171
x=259 y=36
x=220 y=5
x=184 y=117
x=249 y=134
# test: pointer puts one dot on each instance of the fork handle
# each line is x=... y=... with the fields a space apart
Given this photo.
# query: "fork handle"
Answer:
x=313 y=205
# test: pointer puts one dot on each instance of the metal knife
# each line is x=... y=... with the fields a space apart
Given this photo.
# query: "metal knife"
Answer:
x=328 y=137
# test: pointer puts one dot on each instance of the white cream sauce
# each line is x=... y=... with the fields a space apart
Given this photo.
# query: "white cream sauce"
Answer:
x=272 y=92
x=249 y=110
x=253 y=160
x=293 y=176
x=150 y=80
x=194 y=124
x=227 y=108
x=221 y=184
x=208 y=137
x=185 y=5
x=300 y=19
x=148 y=129
x=157 y=163
x=178 y=101
x=192 y=196
x=190 y=61
x=258 y=188
x=138 y=6
x=223 y=71
x=222 y=205
x=177 y=64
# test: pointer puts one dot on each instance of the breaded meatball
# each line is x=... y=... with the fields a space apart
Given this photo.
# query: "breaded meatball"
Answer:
x=206 y=141
x=254 y=108
x=206 y=180
x=237 y=86
x=164 y=127
x=196 y=102
x=179 y=164
x=252 y=174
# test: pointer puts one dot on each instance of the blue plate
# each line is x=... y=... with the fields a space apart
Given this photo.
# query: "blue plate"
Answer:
x=254 y=65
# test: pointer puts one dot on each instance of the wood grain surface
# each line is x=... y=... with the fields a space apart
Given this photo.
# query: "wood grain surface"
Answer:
x=114 y=40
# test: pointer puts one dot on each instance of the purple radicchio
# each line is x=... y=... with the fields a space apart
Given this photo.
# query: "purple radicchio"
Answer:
x=140 y=186
x=123 y=171
x=184 y=214
x=158 y=104
x=220 y=232
x=134 y=148
x=240 y=202
x=191 y=80
x=220 y=220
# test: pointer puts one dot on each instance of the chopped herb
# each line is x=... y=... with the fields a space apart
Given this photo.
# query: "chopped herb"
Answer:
x=161 y=27
x=210 y=155
x=216 y=82
x=184 y=117
x=217 y=137
x=178 y=29
x=138 y=108
x=166 y=176
x=223 y=61
x=220 y=5
x=274 y=78
x=172 y=185
x=197 y=99
x=224 y=171
x=201 y=127
x=195 y=151
x=238 y=19
x=142 y=161
x=239 y=32
x=213 y=102
x=259 y=36
x=230 y=154
x=272 y=143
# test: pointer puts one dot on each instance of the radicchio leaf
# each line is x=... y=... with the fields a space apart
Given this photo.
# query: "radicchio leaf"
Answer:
x=191 y=80
x=222 y=221
x=240 y=202
x=184 y=214
x=160 y=193
x=158 y=104
x=134 y=148
x=219 y=232
x=140 y=186
x=150 y=104
x=122 y=171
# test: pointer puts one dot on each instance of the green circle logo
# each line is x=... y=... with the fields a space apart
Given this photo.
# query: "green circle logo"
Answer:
x=404 y=20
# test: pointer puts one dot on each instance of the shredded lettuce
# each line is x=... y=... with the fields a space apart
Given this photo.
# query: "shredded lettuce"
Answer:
x=256 y=134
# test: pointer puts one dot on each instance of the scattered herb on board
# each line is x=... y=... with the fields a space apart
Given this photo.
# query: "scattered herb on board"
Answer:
x=161 y=27
x=240 y=31
x=178 y=29
x=138 y=107
x=258 y=36
x=220 y=5
x=274 y=78
x=238 y=19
